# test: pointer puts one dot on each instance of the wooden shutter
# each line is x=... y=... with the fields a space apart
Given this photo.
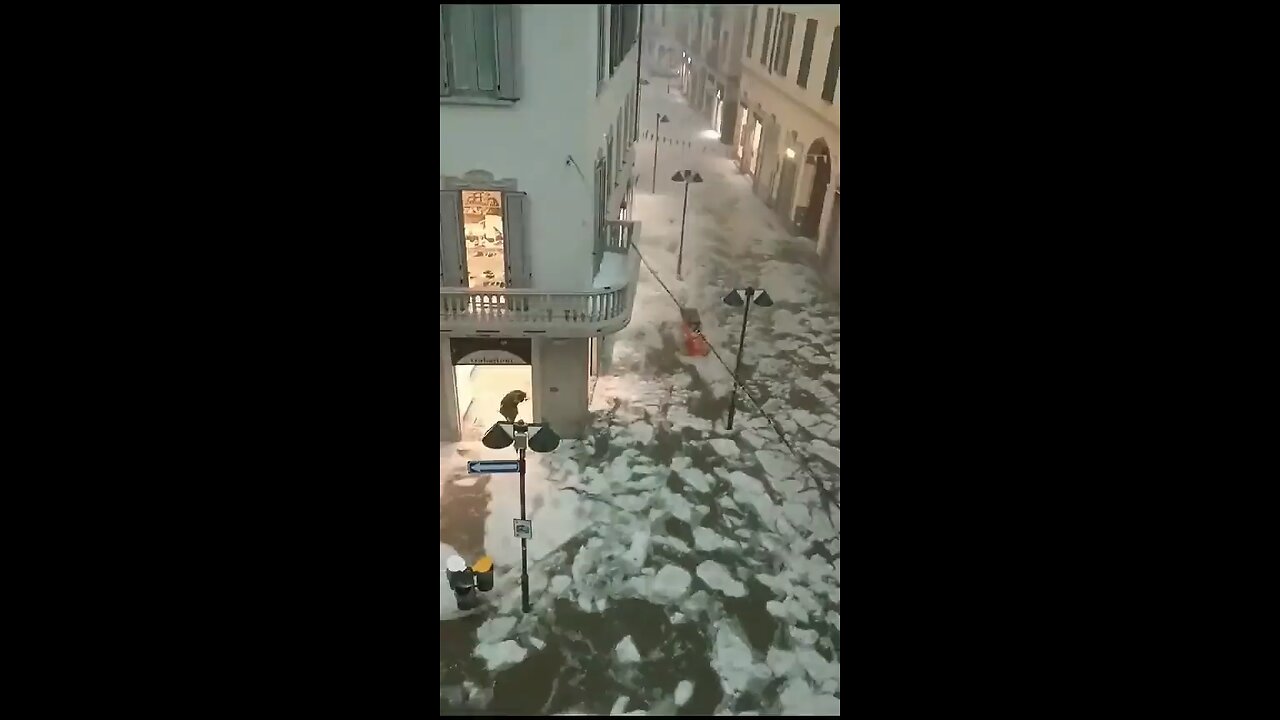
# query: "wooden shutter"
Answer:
x=766 y=42
x=453 y=268
x=507 y=22
x=515 y=233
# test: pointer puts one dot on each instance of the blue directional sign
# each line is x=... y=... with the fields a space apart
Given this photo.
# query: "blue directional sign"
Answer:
x=485 y=467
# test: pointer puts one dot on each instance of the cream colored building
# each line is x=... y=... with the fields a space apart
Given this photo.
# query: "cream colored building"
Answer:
x=788 y=133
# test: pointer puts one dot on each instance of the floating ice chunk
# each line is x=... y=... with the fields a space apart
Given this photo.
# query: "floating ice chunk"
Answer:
x=797 y=610
x=495 y=629
x=680 y=418
x=799 y=698
x=619 y=705
x=626 y=651
x=641 y=432
x=819 y=668
x=825 y=451
x=752 y=438
x=725 y=446
x=717 y=578
x=805 y=418
x=776 y=609
x=631 y=503
x=775 y=583
x=539 y=644
x=707 y=540
x=822 y=527
x=833 y=618
x=678 y=506
x=678 y=618
x=639 y=549
x=797 y=513
x=500 y=655
x=640 y=585
x=781 y=662
x=671 y=582
x=732 y=658
x=696 y=479
x=821 y=430
x=776 y=465
x=684 y=691
x=804 y=636
x=674 y=543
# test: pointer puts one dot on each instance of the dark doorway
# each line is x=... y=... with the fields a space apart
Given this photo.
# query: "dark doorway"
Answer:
x=787 y=187
x=820 y=157
x=830 y=254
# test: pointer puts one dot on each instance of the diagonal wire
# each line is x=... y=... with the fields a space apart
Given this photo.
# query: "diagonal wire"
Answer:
x=821 y=488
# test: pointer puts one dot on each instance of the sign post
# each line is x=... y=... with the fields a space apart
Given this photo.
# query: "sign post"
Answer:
x=500 y=436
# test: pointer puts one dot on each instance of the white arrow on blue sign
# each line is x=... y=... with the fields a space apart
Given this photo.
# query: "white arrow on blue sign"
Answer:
x=485 y=467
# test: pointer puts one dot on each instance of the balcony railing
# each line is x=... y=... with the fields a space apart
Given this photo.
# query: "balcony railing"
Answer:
x=618 y=235
x=581 y=313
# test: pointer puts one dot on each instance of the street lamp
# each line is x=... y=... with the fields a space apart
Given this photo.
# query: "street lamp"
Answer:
x=543 y=441
x=686 y=177
x=657 y=123
x=734 y=299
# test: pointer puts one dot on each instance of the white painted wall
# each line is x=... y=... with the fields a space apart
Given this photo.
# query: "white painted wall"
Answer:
x=557 y=117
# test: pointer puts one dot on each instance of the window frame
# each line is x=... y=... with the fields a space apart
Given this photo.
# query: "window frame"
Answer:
x=831 y=77
x=519 y=270
x=806 y=52
x=766 y=43
x=783 y=32
x=505 y=62
x=602 y=49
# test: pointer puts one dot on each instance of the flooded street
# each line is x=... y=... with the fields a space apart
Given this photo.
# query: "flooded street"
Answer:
x=677 y=566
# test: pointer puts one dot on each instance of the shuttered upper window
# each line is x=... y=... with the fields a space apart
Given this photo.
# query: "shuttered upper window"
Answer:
x=766 y=41
x=833 y=68
x=478 y=51
x=806 y=52
x=782 y=46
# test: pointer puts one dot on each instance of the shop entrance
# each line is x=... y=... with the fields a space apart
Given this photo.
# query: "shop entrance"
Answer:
x=486 y=370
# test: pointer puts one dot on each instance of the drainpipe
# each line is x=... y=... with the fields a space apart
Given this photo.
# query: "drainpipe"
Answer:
x=635 y=126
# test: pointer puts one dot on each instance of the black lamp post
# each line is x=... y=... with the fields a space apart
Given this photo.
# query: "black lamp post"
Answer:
x=657 y=123
x=543 y=441
x=686 y=177
x=734 y=299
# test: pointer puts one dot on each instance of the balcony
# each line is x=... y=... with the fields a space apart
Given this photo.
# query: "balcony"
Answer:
x=604 y=309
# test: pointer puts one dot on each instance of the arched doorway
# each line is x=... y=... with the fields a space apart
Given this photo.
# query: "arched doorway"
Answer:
x=819 y=157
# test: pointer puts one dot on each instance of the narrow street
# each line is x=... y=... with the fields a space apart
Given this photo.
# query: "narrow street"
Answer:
x=677 y=567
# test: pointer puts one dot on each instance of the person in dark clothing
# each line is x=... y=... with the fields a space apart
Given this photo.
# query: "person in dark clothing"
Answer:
x=508 y=407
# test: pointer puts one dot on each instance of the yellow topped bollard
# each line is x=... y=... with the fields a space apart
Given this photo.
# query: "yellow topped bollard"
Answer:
x=483 y=569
